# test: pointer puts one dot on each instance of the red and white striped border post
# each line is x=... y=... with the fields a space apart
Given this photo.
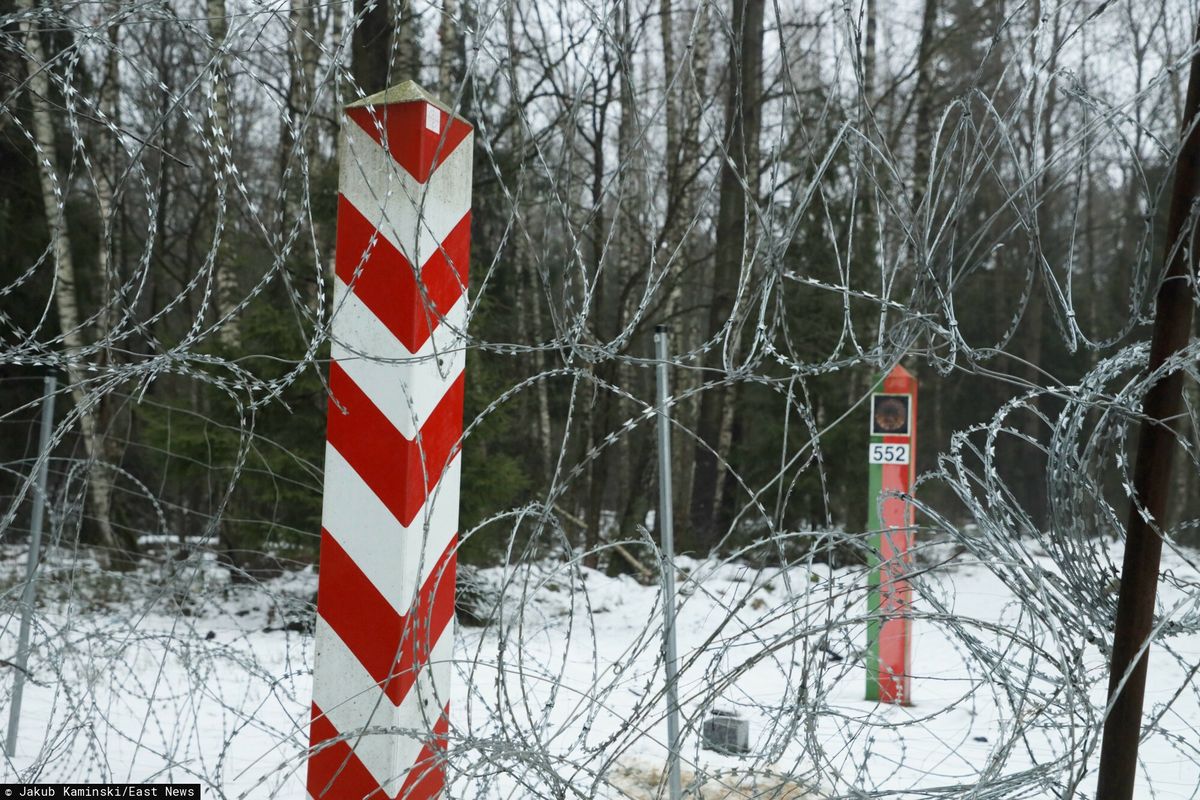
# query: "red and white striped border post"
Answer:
x=385 y=603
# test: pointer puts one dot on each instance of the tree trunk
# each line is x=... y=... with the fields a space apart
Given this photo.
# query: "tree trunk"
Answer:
x=408 y=42
x=687 y=331
x=596 y=414
x=934 y=424
x=66 y=298
x=305 y=57
x=869 y=57
x=371 y=48
x=528 y=284
x=630 y=456
x=1033 y=462
x=451 y=59
x=924 y=91
x=529 y=325
x=386 y=48
x=107 y=169
x=743 y=119
x=228 y=296
x=300 y=160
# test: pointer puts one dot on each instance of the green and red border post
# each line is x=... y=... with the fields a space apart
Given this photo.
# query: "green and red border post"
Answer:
x=891 y=468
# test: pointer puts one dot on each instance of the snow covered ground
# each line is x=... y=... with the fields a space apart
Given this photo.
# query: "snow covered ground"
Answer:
x=180 y=675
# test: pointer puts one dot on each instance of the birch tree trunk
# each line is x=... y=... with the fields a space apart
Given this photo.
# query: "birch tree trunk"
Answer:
x=107 y=169
x=631 y=452
x=66 y=298
x=228 y=296
x=300 y=157
x=693 y=88
x=303 y=80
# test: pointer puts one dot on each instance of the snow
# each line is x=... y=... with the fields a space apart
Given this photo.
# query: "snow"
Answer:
x=179 y=674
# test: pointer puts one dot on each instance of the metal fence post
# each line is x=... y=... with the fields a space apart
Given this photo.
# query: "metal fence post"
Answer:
x=35 y=544
x=668 y=561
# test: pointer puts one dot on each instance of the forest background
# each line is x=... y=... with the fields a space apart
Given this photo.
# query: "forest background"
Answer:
x=806 y=193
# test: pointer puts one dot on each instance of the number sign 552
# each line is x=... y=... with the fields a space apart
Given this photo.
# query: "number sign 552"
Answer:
x=888 y=454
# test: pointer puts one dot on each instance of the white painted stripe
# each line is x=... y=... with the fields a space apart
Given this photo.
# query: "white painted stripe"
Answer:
x=406 y=391
x=352 y=700
x=396 y=559
x=414 y=217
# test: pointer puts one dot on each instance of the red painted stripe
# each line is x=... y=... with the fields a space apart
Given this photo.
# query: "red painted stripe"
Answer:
x=401 y=472
x=387 y=283
x=895 y=629
x=336 y=773
x=411 y=144
x=392 y=647
x=427 y=777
